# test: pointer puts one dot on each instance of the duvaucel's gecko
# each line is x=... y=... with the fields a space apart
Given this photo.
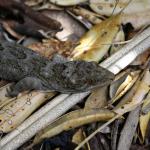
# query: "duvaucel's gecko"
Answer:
x=31 y=71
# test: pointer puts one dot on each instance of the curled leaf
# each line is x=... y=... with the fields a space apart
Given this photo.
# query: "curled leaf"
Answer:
x=119 y=79
x=139 y=95
x=126 y=85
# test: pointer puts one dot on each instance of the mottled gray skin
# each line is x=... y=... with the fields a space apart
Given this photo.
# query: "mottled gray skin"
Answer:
x=31 y=71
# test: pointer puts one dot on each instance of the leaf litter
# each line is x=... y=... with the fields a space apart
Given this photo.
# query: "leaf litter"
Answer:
x=54 y=31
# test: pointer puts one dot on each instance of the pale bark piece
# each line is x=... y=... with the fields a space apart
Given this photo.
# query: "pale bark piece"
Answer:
x=67 y=2
x=104 y=7
x=129 y=130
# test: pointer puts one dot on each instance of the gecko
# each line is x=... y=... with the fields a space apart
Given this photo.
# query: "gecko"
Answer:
x=31 y=71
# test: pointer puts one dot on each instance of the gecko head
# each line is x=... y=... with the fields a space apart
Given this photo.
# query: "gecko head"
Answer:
x=85 y=76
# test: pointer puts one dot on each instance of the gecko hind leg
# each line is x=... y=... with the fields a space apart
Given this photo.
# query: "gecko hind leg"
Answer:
x=27 y=83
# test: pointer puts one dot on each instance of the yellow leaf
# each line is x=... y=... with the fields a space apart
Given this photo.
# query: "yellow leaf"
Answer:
x=72 y=120
x=97 y=41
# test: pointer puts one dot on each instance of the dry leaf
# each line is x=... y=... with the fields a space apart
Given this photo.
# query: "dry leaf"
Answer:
x=97 y=99
x=96 y=42
x=138 y=20
x=51 y=46
x=72 y=120
x=144 y=118
x=88 y=15
x=137 y=98
x=126 y=85
x=15 y=112
x=104 y=7
x=33 y=2
x=120 y=37
x=78 y=137
x=119 y=79
x=67 y=2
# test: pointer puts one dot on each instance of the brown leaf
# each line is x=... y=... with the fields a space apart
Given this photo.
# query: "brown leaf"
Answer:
x=51 y=46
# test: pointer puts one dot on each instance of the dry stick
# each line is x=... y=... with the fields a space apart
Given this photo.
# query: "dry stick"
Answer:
x=61 y=108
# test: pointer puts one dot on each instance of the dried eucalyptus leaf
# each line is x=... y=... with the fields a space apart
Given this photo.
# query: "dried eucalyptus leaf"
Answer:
x=47 y=5
x=72 y=120
x=33 y=2
x=88 y=15
x=97 y=41
x=125 y=86
x=145 y=117
x=138 y=20
x=120 y=37
x=128 y=96
x=97 y=99
x=78 y=137
x=135 y=11
x=15 y=112
x=104 y=7
x=136 y=100
x=67 y=2
x=119 y=79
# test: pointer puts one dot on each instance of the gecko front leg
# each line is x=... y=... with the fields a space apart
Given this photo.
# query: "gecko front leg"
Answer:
x=27 y=83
